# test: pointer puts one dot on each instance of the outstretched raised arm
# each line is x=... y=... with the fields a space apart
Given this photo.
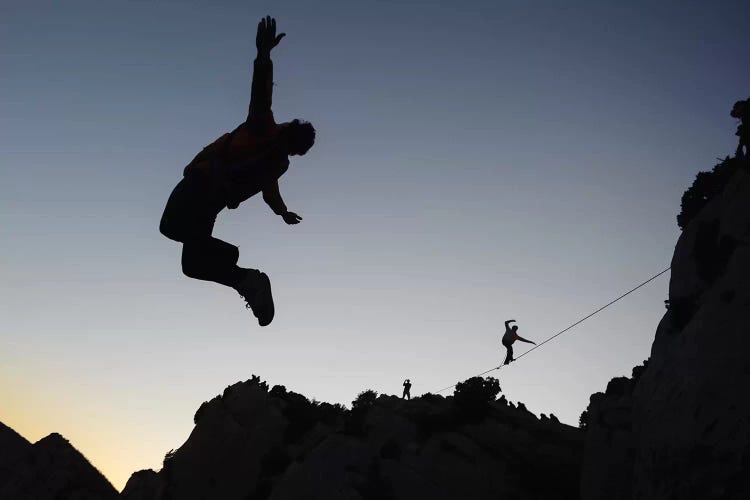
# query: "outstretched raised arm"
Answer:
x=262 y=86
x=508 y=322
x=524 y=340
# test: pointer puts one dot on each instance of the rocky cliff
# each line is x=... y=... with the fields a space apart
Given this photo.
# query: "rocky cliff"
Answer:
x=680 y=427
x=252 y=443
x=50 y=469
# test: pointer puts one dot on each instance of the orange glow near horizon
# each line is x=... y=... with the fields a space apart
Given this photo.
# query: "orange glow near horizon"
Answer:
x=110 y=442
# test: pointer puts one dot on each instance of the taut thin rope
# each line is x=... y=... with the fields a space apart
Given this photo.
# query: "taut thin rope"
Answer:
x=652 y=278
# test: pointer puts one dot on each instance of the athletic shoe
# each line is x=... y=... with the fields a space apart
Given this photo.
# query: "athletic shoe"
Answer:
x=256 y=290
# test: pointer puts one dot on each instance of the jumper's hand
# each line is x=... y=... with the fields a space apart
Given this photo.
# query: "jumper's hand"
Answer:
x=291 y=218
x=266 y=38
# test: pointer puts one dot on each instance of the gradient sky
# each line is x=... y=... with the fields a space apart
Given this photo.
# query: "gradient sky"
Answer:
x=476 y=161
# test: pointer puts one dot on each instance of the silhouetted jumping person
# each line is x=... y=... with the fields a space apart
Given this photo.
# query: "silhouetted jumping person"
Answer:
x=741 y=110
x=509 y=337
x=407 y=389
x=236 y=166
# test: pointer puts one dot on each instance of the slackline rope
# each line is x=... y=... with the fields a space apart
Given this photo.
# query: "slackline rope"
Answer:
x=652 y=278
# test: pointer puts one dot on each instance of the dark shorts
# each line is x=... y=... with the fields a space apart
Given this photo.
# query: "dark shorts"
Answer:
x=191 y=209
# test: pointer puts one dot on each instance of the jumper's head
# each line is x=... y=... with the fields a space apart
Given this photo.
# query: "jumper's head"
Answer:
x=300 y=136
x=514 y=328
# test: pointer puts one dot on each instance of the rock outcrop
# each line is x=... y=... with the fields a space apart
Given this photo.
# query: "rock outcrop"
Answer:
x=680 y=427
x=14 y=449
x=50 y=469
x=143 y=485
x=252 y=443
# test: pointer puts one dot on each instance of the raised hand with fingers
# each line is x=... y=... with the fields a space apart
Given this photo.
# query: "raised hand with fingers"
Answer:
x=266 y=38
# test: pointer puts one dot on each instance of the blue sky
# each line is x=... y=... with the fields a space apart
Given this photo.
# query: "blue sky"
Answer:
x=474 y=163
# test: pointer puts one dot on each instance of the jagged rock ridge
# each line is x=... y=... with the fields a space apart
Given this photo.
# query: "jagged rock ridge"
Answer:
x=252 y=443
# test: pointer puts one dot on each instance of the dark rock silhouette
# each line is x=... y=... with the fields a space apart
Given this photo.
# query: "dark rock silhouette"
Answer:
x=14 y=449
x=679 y=426
x=243 y=447
x=50 y=469
x=143 y=485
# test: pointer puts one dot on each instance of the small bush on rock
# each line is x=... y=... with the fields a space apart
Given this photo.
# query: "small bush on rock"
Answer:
x=705 y=187
x=472 y=397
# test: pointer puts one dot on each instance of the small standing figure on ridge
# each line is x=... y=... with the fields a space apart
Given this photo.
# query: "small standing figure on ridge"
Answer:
x=511 y=336
x=236 y=166
x=741 y=110
x=407 y=389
